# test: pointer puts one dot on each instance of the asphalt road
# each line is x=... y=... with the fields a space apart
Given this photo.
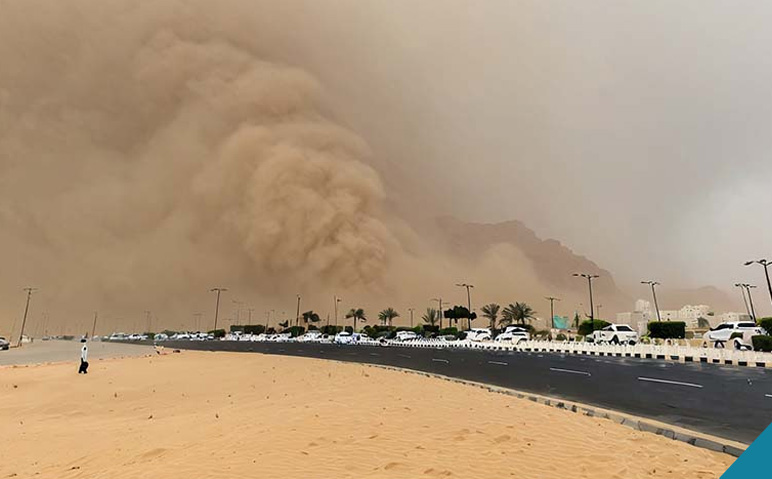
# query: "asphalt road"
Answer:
x=55 y=351
x=725 y=401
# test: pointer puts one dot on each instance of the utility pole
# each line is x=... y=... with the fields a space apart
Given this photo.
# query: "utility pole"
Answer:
x=297 y=316
x=249 y=311
x=197 y=320
x=93 y=327
x=468 y=300
x=590 y=277
x=552 y=310
x=745 y=299
x=148 y=321
x=411 y=316
x=26 y=310
x=217 y=304
x=439 y=309
x=654 y=293
x=765 y=263
x=750 y=299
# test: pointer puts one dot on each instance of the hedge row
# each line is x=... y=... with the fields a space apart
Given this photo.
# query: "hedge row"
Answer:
x=667 y=329
x=762 y=343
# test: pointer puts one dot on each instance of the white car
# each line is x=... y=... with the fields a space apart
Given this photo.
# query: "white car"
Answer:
x=118 y=337
x=406 y=336
x=4 y=344
x=160 y=337
x=514 y=334
x=343 y=337
x=722 y=334
x=310 y=337
x=181 y=336
x=479 y=334
x=615 y=334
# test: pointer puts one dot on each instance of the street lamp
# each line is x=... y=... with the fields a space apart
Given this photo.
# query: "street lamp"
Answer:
x=589 y=277
x=411 y=316
x=297 y=317
x=468 y=299
x=439 y=309
x=552 y=310
x=654 y=293
x=26 y=310
x=745 y=299
x=765 y=263
x=337 y=300
x=217 y=304
x=747 y=288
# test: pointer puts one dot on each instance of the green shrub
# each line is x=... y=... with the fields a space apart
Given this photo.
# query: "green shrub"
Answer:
x=667 y=330
x=429 y=329
x=587 y=327
x=766 y=323
x=217 y=333
x=349 y=329
x=762 y=343
x=560 y=337
x=149 y=335
x=312 y=327
x=449 y=332
x=331 y=329
x=295 y=331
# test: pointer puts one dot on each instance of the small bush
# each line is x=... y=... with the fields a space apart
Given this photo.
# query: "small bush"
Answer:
x=149 y=335
x=667 y=330
x=349 y=329
x=560 y=337
x=587 y=327
x=331 y=329
x=312 y=327
x=762 y=343
x=217 y=333
x=766 y=323
x=449 y=332
x=427 y=328
x=295 y=331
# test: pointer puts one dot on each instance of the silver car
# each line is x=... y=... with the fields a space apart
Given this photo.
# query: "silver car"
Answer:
x=4 y=344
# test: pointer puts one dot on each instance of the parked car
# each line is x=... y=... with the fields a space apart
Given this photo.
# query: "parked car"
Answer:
x=406 y=336
x=514 y=334
x=722 y=334
x=615 y=334
x=161 y=337
x=118 y=337
x=310 y=337
x=343 y=337
x=4 y=344
x=479 y=334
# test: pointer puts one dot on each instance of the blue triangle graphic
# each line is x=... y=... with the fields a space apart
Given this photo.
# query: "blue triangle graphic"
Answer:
x=754 y=462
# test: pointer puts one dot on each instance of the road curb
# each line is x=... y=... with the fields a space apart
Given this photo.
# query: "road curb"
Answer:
x=677 y=434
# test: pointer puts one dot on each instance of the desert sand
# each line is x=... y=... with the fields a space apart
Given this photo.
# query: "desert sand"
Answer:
x=229 y=415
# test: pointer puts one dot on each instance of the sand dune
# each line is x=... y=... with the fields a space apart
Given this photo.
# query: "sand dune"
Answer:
x=224 y=415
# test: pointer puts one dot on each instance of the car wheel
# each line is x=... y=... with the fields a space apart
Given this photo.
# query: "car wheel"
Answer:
x=631 y=342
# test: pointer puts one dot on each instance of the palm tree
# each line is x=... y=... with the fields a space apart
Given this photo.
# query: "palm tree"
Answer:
x=310 y=317
x=491 y=311
x=387 y=315
x=431 y=317
x=517 y=313
x=357 y=313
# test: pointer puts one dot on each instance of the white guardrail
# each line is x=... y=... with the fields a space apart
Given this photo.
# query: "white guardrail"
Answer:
x=644 y=351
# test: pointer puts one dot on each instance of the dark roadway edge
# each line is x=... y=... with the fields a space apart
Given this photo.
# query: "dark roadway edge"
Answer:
x=658 y=416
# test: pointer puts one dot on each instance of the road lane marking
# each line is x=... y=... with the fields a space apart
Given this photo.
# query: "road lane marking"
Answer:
x=403 y=356
x=440 y=360
x=673 y=383
x=374 y=354
x=570 y=371
x=498 y=363
x=768 y=395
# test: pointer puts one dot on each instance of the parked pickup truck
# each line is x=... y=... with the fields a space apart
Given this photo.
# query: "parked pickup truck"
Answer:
x=615 y=334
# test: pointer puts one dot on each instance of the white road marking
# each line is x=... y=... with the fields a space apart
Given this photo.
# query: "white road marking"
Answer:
x=768 y=395
x=374 y=354
x=570 y=371
x=440 y=360
x=498 y=363
x=403 y=356
x=674 y=383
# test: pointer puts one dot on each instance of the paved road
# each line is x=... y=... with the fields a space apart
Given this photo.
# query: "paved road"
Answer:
x=726 y=401
x=58 y=351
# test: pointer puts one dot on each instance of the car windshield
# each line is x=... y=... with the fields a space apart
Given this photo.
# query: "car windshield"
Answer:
x=723 y=326
x=624 y=328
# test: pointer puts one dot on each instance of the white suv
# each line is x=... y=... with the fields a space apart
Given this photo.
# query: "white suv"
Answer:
x=514 y=334
x=406 y=336
x=479 y=334
x=615 y=334
x=723 y=333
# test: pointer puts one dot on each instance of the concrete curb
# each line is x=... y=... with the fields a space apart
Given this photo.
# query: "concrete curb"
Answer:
x=677 y=434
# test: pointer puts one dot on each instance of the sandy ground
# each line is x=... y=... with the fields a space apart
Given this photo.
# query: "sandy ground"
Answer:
x=229 y=415
x=57 y=351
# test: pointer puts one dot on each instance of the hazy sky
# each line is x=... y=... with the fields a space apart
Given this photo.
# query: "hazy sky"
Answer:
x=637 y=133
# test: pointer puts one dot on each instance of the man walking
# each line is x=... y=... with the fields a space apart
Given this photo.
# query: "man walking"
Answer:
x=83 y=359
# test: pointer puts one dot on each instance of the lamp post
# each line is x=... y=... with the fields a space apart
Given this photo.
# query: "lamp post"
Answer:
x=745 y=299
x=552 y=310
x=654 y=293
x=765 y=263
x=747 y=287
x=439 y=309
x=26 y=310
x=411 y=316
x=217 y=304
x=589 y=278
x=337 y=300
x=468 y=300
x=297 y=316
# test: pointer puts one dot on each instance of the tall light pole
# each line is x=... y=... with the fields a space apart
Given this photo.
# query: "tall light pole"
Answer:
x=93 y=327
x=654 y=293
x=439 y=309
x=217 y=304
x=748 y=288
x=552 y=310
x=745 y=299
x=249 y=312
x=765 y=263
x=147 y=319
x=590 y=277
x=468 y=299
x=411 y=316
x=297 y=316
x=197 y=320
x=336 y=301
x=26 y=310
